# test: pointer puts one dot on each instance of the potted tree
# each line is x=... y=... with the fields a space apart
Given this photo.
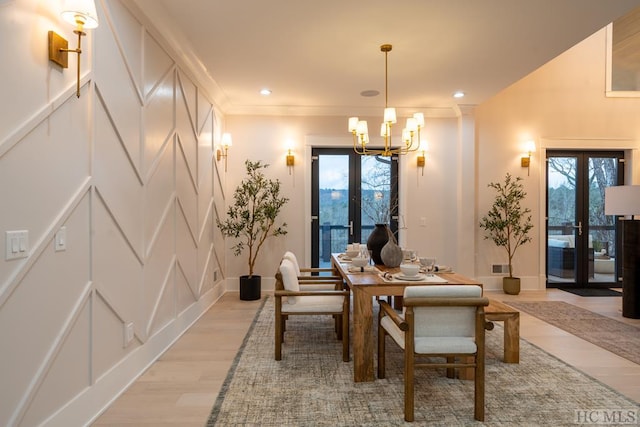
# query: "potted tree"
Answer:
x=508 y=224
x=252 y=219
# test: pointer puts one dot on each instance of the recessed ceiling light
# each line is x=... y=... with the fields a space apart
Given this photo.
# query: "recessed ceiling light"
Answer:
x=265 y=92
x=458 y=94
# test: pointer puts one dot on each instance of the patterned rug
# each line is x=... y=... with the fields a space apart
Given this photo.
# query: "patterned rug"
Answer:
x=311 y=386
x=617 y=337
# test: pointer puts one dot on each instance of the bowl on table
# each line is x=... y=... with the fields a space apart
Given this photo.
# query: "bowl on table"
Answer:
x=352 y=254
x=409 y=269
x=359 y=261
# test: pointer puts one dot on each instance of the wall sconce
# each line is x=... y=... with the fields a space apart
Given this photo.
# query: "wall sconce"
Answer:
x=226 y=143
x=421 y=159
x=82 y=14
x=290 y=158
x=525 y=162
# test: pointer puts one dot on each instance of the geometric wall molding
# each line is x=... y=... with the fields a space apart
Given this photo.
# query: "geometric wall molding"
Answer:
x=128 y=170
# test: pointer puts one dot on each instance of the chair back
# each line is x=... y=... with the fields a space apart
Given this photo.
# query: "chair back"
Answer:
x=292 y=257
x=448 y=320
x=289 y=278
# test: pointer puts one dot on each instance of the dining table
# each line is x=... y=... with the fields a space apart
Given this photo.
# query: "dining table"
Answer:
x=366 y=284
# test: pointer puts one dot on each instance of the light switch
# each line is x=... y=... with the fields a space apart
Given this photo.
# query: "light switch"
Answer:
x=17 y=244
x=61 y=239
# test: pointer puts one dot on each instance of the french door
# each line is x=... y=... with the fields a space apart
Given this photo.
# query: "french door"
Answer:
x=350 y=194
x=582 y=242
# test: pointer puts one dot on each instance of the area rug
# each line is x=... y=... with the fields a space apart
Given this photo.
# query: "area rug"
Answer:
x=592 y=292
x=311 y=386
x=617 y=337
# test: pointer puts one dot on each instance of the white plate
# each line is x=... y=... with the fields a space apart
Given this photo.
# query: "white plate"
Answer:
x=415 y=278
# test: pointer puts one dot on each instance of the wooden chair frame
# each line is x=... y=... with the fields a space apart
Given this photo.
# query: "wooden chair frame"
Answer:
x=341 y=317
x=453 y=360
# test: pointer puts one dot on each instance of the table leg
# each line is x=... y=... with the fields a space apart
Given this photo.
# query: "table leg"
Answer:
x=362 y=336
x=512 y=339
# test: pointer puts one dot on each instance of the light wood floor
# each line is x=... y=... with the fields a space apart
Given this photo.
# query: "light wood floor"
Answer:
x=181 y=387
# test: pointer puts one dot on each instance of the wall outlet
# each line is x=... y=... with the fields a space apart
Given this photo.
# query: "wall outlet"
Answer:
x=128 y=333
x=500 y=269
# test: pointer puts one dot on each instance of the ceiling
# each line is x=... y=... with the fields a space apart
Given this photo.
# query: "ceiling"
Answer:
x=318 y=56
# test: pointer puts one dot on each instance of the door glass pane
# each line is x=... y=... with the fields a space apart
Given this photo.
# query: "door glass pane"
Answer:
x=561 y=233
x=333 y=215
x=376 y=205
x=603 y=173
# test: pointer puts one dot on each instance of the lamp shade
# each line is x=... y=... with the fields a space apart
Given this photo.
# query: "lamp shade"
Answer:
x=530 y=146
x=622 y=200
x=419 y=118
x=226 y=140
x=390 y=115
x=80 y=10
x=353 y=124
x=362 y=128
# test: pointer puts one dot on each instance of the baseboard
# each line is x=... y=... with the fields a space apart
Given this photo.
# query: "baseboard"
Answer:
x=267 y=284
x=88 y=405
x=527 y=283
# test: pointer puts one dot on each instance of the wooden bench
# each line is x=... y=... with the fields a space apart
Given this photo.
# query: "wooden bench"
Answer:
x=499 y=312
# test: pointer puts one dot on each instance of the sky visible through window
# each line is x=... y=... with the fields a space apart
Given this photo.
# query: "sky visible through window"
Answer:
x=334 y=174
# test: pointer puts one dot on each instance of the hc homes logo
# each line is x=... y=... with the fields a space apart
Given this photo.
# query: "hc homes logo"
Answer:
x=607 y=416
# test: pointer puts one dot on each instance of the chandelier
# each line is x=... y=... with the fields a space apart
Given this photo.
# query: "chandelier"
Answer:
x=410 y=134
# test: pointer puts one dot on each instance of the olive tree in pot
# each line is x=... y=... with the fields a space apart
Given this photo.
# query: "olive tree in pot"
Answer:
x=508 y=224
x=251 y=219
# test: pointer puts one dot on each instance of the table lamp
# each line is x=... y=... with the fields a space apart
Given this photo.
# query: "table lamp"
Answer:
x=624 y=201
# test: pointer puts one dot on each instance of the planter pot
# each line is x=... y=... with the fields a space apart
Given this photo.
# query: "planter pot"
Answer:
x=511 y=285
x=250 y=287
x=376 y=241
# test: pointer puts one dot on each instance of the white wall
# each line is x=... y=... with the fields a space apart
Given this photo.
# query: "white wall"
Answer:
x=560 y=105
x=432 y=196
x=128 y=170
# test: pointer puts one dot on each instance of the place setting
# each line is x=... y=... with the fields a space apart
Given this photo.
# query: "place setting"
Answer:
x=361 y=262
x=353 y=250
x=421 y=271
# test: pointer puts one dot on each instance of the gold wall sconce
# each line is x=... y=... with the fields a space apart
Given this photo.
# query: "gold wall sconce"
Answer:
x=82 y=14
x=421 y=159
x=525 y=162
x=224 y=145
x=290 y=158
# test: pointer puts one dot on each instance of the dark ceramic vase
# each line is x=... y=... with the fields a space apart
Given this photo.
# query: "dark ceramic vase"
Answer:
x=376 y=241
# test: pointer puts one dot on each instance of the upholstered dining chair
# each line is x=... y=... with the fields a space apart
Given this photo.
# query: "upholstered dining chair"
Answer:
x=291 y=300
x=441 y=326
x=307 y=273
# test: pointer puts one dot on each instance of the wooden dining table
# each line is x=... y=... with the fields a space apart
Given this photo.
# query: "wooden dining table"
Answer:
x=365 y=286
